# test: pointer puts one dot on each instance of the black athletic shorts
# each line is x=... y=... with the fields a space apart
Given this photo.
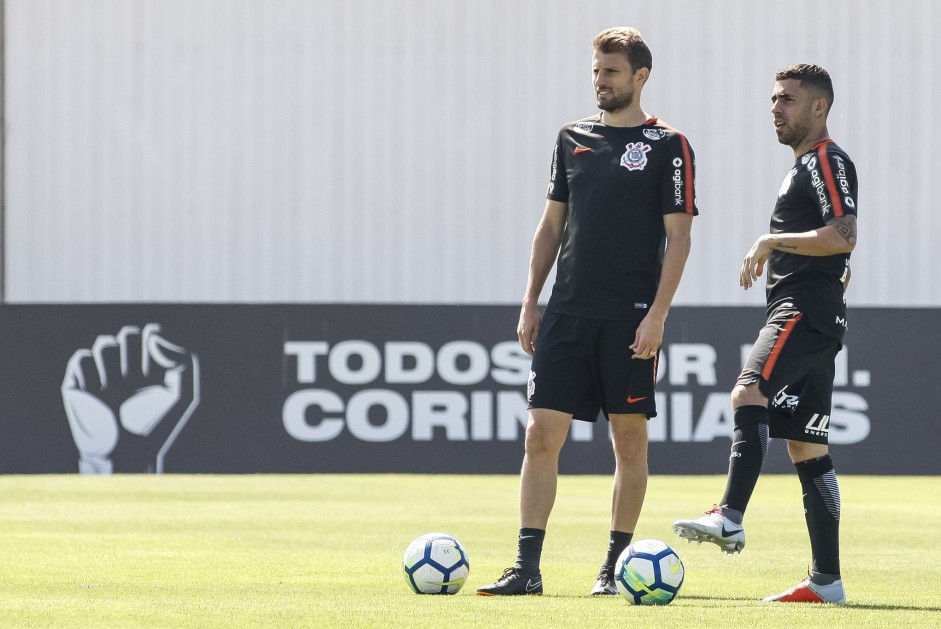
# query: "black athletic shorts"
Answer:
x=793 y=364
x=584 y=367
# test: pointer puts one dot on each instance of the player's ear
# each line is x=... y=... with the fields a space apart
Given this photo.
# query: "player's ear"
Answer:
x=820 y=107
x=643 y=74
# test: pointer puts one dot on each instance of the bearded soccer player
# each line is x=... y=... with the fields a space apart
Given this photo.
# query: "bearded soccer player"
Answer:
x=618 y=215
x=785 y=388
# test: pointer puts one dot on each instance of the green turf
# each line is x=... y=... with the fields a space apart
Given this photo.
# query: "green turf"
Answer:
x=325 y=551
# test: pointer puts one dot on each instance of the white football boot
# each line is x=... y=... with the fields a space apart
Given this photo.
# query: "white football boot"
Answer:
x=715 y=528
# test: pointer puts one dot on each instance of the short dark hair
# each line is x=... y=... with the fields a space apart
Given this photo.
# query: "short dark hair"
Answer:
x=812 y=77
x=628 y=41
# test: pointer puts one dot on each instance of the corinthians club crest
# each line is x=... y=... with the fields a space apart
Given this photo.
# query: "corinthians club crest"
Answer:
x=635 y=157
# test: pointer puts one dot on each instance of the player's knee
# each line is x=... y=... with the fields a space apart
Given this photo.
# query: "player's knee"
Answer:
x=631 y=453
x=542 y=438
x=806 y=451
x=748 y=395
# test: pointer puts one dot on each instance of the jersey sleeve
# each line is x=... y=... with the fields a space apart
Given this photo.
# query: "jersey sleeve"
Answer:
x=833 y=177
x=558 y=179
x=678 y=183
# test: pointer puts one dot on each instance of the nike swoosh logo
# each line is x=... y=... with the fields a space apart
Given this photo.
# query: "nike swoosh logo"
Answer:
x=458 y=582
x=726 y=533
x=631 y=399
x=674 y=567
x=581 y=149
x=532 y=587
x=640 y=580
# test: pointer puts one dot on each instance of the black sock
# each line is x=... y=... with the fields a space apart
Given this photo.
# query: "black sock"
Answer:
x=822 y=513
x=529 y=550
x=617 y=542
x=749 y=447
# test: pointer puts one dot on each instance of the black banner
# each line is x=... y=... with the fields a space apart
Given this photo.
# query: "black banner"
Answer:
x=192 y=388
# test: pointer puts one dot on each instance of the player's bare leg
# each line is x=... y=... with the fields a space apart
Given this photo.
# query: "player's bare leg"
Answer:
x=629 y=437
x=546 y=433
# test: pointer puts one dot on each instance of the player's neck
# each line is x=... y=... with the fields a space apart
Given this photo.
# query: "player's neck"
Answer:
x=633 y=116
x=810 y=141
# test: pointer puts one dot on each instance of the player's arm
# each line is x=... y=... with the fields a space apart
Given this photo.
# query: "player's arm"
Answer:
x=678 y=227
x=836 y=237
x=546 y=244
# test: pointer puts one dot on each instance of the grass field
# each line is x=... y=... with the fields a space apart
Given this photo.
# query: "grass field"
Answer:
x=325 y=551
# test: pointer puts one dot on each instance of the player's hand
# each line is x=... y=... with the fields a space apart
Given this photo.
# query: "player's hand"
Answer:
x=528 y=328
x=648 y=338
x=754 y=263
x=127 y=398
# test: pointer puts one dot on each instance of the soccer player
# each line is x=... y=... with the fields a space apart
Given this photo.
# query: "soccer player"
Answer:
x=618 y=214
x=785 y=387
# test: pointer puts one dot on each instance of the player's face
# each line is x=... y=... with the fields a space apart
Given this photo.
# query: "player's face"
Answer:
x=791 y=112
x=614 y=80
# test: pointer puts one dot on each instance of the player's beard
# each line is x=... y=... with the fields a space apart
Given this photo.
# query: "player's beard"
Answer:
x=616 y=102
x=793 y=133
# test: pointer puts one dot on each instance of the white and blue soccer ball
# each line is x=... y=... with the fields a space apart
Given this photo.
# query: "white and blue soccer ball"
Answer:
x=649 y=572
x=435 y=563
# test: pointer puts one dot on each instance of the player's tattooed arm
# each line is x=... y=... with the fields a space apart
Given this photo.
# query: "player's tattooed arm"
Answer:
x=782 y=245
x=846 y=226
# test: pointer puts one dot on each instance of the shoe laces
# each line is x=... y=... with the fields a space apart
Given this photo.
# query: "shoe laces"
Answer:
x=714 y=509
x=509 y=572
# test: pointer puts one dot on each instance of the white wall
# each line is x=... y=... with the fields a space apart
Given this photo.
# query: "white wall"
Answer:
x=376 y=151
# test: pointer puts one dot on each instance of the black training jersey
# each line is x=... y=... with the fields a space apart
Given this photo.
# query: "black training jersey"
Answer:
x=618 y=183
x=820 y=187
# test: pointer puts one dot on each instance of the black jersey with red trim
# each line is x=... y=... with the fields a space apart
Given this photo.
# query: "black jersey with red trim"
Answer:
x=820 y=187
x=618 y=182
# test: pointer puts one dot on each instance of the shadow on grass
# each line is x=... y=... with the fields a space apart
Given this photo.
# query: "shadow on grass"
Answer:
x=850 y=605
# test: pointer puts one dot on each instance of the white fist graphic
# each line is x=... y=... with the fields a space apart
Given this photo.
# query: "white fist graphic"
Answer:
x=127 y=399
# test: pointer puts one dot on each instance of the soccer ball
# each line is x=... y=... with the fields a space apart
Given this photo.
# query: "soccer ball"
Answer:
x=435 y=563
x=649 y=572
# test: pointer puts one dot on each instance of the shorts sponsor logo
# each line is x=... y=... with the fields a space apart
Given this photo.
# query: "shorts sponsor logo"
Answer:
x=818 y=425
x=784 y=401
x=635 y=157
x=531 y=386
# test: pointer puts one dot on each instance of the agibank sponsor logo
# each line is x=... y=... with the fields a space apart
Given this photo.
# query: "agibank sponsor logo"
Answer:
x=843 y=183
x=816 y=180
x=677 y=182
